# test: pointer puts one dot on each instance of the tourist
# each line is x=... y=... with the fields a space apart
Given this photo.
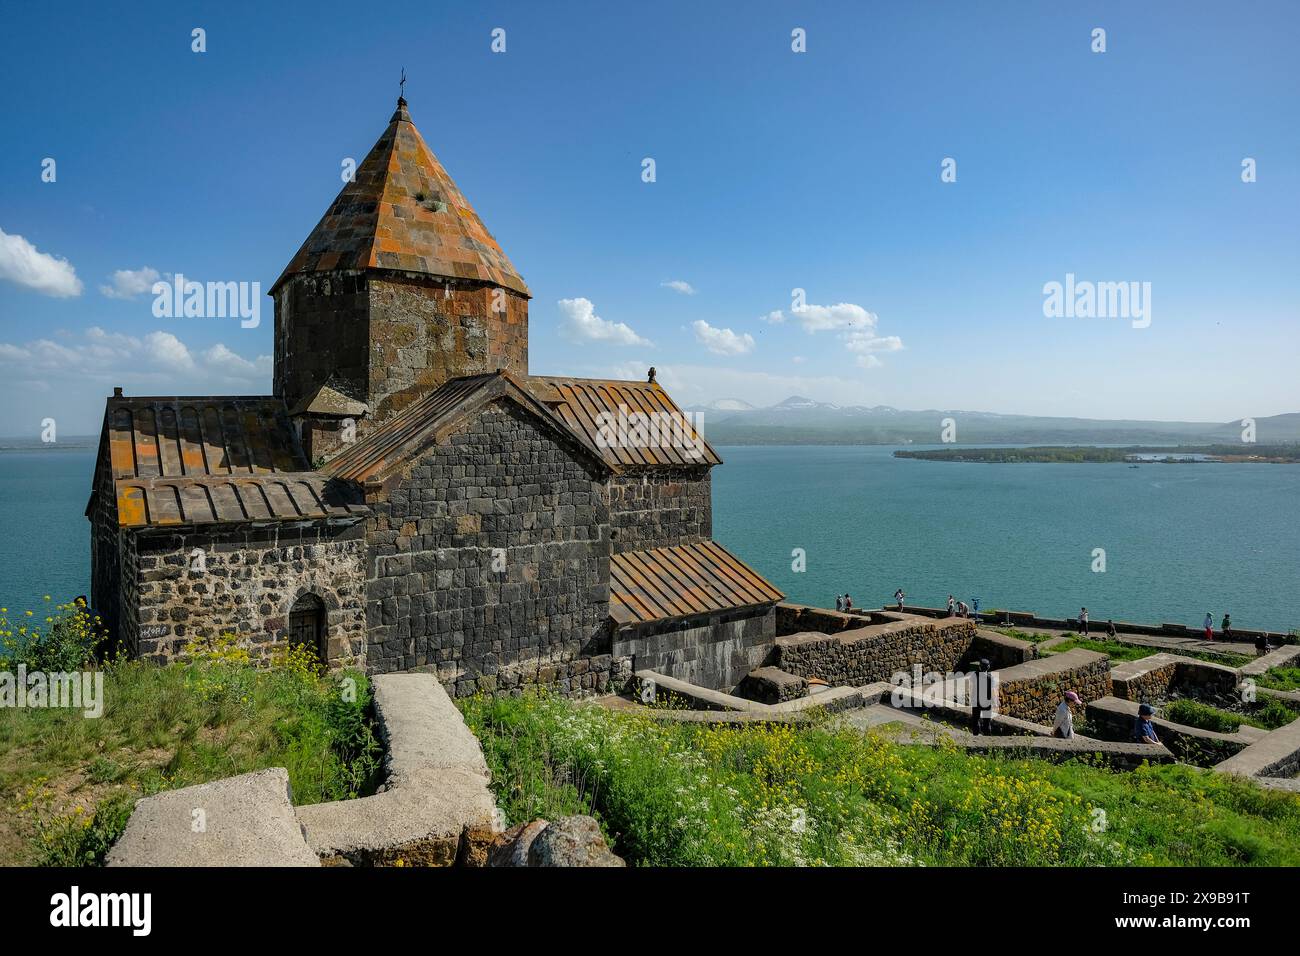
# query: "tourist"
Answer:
x=1064 y=725
x=1083 y=621
x=839 y=602
x=898 y=596
x=950 y=605
x=848 y=603
x=983 y=698
x=1227 y=627
x=1110 y=629
x=1209 y=626
x=1144 y=732
x=961 y=608
x=1261 y=643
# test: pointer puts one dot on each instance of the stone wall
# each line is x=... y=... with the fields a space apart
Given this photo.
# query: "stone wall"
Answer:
x=797 y=618
x=771 y=685
x=322 y=330
x=1114 y=719
x=243 y=581
x=656 y=509
x=391 y=337
x=492 y=550
x=712 y=652
x=1154 y=677
x=1032 y=691
x=424 y=332
x=876 y=652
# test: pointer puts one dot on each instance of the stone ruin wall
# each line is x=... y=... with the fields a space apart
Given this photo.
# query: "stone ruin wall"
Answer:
x=857 y=658
x=1035 y=698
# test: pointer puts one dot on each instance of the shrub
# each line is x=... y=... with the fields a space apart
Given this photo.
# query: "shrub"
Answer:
x=66 y=638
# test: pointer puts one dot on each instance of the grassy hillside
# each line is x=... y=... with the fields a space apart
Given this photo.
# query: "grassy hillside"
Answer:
x=695 y=795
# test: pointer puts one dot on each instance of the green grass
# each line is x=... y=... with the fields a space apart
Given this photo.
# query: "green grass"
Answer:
x=1120 y=651
x=669 y=793
x=1267 y=714
x=1019 y=635
x=67 y=782
x=1280 y=678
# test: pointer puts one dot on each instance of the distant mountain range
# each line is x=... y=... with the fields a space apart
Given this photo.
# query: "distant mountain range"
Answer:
x=802 y=421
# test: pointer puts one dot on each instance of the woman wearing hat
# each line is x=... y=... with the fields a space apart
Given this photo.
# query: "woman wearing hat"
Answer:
x=1064 y=726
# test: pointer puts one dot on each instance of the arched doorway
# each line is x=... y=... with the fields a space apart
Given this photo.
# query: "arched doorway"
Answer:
x=307 y=625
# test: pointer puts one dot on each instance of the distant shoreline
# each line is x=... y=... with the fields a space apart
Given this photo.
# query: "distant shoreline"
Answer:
x=1132 y=455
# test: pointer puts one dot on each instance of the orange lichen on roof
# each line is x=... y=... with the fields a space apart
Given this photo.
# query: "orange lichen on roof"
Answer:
x=681 y=581
x=187 y=437
x=402 y=211
x=162 y=502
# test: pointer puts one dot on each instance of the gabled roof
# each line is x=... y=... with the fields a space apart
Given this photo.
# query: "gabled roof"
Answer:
x=682 y=581
x=586 y=403
x=432 y=419
x=213 y=460
x=402 y=211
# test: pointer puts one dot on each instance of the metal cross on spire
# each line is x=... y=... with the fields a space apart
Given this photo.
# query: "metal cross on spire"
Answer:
x=401 y=86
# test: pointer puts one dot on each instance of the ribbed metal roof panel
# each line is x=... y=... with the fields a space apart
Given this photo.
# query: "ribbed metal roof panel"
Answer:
x=682 y=581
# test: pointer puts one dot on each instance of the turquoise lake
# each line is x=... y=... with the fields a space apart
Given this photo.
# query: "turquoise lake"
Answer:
x=1180 y=539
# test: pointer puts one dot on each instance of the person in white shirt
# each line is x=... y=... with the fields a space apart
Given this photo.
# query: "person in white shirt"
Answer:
x=1064 y=725
x=839 y=602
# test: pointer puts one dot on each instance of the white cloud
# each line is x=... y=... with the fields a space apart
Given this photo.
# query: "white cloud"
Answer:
x=679 y=285
x=722 y=341
x=22 y=263
x=582 y=324
x=129 y=283
x=158 y=360
x=855 y=326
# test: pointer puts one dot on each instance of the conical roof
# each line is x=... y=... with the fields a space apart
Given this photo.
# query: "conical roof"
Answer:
x=402 y=211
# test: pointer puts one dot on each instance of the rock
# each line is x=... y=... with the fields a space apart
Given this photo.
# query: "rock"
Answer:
x=572 y=841
x=511 y=848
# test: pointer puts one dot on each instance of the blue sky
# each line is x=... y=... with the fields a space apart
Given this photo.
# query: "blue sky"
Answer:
x=775 y=170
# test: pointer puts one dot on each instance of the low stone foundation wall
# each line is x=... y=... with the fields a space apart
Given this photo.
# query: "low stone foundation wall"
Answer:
x=1114 y=717
x=1032 y=690
x=771 y=685
x=876 y=652
x=710 y=652
x=1277 y=754
x=796 y=618
x=567 y=674
x=1152 y=678
x=1000 y=650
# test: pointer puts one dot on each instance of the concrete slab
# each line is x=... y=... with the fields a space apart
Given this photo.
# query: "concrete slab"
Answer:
x=240 y=821
x=422 y=728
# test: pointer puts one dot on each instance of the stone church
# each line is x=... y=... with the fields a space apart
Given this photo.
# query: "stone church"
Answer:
x=410 y=497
